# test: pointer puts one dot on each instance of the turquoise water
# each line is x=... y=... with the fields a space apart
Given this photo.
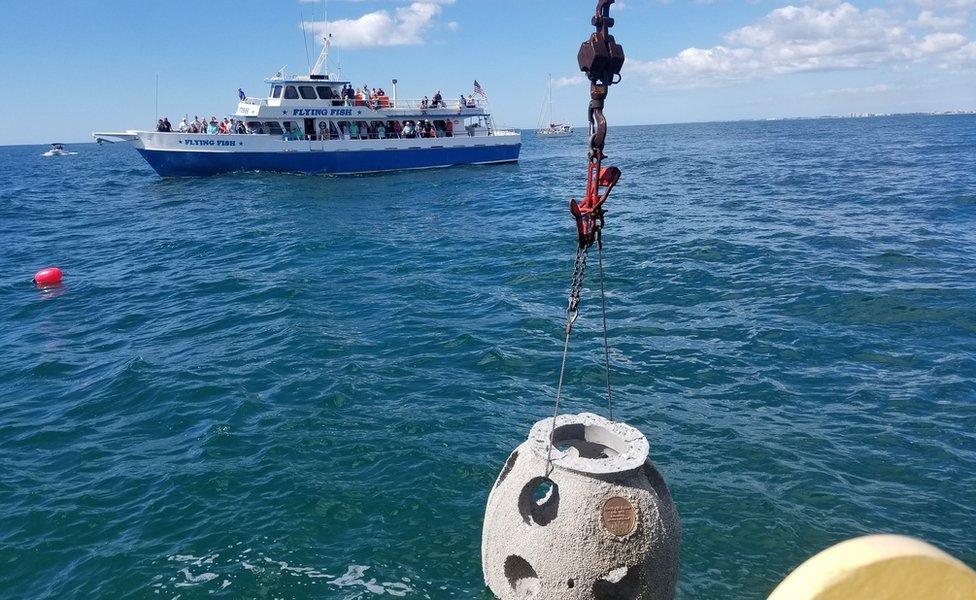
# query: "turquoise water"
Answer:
x=274 y=386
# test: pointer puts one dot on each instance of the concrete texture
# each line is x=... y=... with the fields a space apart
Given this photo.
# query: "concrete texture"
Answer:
x=601 y=526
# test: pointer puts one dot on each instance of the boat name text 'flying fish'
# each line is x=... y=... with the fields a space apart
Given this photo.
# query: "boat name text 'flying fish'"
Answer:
x=321 y=112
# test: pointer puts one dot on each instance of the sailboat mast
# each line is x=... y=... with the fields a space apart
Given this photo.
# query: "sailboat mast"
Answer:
x=550 y=98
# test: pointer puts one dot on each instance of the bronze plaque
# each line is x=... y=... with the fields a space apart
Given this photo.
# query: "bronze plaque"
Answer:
x=619 y=516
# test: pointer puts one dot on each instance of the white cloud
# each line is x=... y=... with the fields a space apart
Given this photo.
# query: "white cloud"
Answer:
x=965 y=57
x=795 y=39
x=938 y=43
x=929 y=20
x=559 y=82
x=406 y=25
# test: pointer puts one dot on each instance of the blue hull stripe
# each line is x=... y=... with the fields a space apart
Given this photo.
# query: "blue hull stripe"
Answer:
x=187 y=164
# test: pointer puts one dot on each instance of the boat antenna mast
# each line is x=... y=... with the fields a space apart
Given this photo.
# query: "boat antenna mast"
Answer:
x=323 y=60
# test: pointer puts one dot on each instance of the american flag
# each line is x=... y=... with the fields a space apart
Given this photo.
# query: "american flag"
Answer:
x=479 y=90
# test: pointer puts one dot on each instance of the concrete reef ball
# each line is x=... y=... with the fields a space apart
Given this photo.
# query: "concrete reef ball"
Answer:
x=601 y=525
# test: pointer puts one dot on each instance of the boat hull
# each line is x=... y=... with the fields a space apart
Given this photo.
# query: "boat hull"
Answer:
x=174 y=163
x=191 y=155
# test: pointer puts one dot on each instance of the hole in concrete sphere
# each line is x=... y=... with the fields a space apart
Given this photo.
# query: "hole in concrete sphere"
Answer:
x=509 y=465
x=622 y=583
x=521 y=577
x=539 y=501
x=588 y=441
x=543 y=492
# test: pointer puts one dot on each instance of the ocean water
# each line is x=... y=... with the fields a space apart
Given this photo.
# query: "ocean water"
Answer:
x=279 y=386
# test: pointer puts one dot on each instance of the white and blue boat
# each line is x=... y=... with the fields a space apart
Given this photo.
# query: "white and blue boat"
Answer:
x=306 y=125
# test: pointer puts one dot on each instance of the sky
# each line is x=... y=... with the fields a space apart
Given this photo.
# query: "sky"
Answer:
x=73 y=67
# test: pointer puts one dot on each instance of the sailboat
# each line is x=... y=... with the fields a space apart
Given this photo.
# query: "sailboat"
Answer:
x=553 y=129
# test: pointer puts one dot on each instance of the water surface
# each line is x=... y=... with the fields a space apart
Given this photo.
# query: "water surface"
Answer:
x=279 y=386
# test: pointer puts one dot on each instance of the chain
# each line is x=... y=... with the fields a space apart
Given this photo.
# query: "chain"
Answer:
x=576 y=288
x=572 y=313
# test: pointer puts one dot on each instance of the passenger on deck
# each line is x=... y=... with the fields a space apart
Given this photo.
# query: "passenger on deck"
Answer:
x=424 y=103
x=159 y=126
x=438 y=99
x=354 y=131
x=183 y=125
x=195 y=125
x=241 y=127
x=222 y=127
x=381 y=132
x=462 y=103
x=408 y=129
x=471 y=102
x=213 y=127
x=448 y=128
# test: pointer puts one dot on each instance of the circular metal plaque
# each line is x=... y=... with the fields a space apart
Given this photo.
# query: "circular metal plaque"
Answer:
x=619 y=516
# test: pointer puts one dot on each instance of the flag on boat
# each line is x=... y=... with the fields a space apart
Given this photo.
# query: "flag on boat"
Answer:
x=479 y=90
x=241 y=94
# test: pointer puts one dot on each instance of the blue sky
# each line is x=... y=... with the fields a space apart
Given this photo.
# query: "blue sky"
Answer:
x=82 y=65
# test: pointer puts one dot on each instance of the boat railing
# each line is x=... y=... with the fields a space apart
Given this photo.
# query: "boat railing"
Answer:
x=386 y=103
x=444 y=105
x=395 y=136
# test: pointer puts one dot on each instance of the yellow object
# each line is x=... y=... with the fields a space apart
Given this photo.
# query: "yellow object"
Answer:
x=879 y=567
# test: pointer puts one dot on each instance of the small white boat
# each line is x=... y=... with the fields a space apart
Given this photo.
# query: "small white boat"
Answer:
x=556 y=130
x=553 y=129
x=58 y=150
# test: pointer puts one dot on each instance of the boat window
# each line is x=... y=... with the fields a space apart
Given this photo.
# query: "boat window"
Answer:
x=325 y=92
x=276 y=91
x=307 y=92
x=273 y=127
x=288 y=125
x=254 y=126
x=291 y=93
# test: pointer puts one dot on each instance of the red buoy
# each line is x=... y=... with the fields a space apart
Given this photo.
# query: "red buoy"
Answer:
x=48 y=276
